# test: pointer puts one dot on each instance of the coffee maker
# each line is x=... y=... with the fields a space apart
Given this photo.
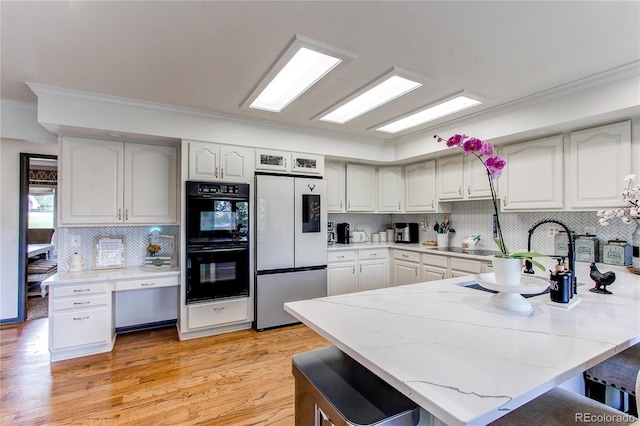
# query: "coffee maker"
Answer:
x=407 y=232
x=342 y=236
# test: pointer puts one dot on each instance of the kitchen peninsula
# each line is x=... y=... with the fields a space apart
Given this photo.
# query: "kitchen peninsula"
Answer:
x=465 y=362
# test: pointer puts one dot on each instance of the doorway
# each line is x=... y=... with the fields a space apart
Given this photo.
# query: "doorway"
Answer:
x=37 y=226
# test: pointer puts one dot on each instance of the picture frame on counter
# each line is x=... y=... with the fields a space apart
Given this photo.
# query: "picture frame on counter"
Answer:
x=109 y=252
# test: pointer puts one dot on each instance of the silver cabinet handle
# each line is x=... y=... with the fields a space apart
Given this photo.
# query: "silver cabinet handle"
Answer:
x=504 y=201
x=221 y=172
x=398 y=205
x=119 y=214
x=469 y=190
x=285 y=163
x=348 y=205
x=215 y=174
x=81 y=290
x=87 y=302
x=147 y=284
x=340 y=257
x=459 y=190
x=360 y=268
x=373 y=254
x=405 y=255
x=353 y=269
x=126 y=214
x=432 y=201
x=416 y=272
x=81 y=318
x=221 y=308
x=340 y=204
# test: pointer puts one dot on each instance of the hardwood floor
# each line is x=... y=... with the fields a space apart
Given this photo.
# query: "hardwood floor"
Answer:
x=152 y=378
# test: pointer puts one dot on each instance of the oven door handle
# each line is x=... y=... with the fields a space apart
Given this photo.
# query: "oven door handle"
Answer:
x=217 y=250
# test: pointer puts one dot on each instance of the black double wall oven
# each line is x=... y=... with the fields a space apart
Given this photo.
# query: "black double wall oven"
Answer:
x=217 y=241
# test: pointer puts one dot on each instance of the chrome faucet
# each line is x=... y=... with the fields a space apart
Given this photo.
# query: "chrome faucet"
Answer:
x=570 y=252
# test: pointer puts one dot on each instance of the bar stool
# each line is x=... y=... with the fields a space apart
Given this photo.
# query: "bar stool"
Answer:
x=619 y=372
x=560 y=407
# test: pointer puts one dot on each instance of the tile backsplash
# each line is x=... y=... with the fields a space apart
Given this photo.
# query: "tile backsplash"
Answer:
x=475 y=218
x=136 y=241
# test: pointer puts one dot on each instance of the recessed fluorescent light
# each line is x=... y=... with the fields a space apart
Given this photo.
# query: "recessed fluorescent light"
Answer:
x=303 y=63
x=440 y=110
x=389 y=89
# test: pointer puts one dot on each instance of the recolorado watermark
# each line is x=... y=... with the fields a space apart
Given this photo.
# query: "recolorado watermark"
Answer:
x=604 y=418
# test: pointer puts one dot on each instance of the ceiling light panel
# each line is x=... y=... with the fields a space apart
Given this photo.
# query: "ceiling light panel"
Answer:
x=302 y=64
x=390 y=87
x=434 y=112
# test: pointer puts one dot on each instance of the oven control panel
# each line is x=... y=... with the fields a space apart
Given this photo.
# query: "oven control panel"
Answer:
x=212 y=188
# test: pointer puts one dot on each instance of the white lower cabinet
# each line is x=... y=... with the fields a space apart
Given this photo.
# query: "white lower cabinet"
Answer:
x=406 y=267
x=460 y=267
x=80 y=320
x=356 y=270
x=217 y=313
x=434 y=267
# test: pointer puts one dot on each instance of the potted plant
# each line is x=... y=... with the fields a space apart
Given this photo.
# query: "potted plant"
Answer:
x=506 y=265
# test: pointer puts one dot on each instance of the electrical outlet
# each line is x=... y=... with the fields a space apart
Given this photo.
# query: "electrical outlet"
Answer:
x=554 y=231
x=75 y=240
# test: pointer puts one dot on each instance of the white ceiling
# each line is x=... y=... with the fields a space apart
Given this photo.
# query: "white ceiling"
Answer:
x=209 y=55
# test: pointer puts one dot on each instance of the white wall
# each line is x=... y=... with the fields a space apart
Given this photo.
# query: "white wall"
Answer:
x=10 y=151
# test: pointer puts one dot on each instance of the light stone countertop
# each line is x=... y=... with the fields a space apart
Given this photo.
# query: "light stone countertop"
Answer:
x=93 y=275
x=417 y=247
x=464 y=361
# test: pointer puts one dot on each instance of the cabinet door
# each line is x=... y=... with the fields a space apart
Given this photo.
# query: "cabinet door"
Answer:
x=361 y=188
x=236 y=164
x=405 y=273
x=334 y=173
x=533 y=176
x=151 y=183
x=433 y=273
x=450 y=178
x=390 y=189
x=476 y=180
x=599 y=159
x=203 y=161
x=420 y=187
x=307 y=164
x=91 y=181
x=80 y=327
x=341 y=278
x=371 y=274
x=275 y=161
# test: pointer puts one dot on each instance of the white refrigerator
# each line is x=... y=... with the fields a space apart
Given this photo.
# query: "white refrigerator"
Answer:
x=290 y=245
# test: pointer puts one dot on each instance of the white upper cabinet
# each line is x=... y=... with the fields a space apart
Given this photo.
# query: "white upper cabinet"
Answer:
x=210 y=161
x=287 y=162
x=599 y=159
x=533 y=176
x=450 y=179
x=112 y=182
x=462 y=177
x=420 y=187
x=476 y=180
x=390 y=189
x=335 y=174
x=150 y=194
x=361 y=188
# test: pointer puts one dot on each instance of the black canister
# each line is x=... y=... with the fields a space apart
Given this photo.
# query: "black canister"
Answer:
x=560 y=286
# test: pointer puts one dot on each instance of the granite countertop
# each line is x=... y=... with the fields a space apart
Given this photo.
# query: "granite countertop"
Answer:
x=91 y=275
x=464 y=361
x=481 y=254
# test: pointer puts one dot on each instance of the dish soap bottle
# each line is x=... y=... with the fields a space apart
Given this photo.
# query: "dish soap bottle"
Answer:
x=560 y=285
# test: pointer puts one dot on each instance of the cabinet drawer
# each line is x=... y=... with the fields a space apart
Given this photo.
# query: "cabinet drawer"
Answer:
x=435 y=260
x=60 y=304
x=466 y=265
x=341 y=256
x=217 y=313
x=82 y=327
x=372 y=254
x=146 y=283
x=78 y=290
x=410 y=256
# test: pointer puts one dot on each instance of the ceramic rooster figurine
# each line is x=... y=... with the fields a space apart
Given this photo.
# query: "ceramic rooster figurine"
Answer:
x=602 y=280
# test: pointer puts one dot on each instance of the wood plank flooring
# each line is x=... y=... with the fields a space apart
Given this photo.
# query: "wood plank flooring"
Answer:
x=152 y=378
